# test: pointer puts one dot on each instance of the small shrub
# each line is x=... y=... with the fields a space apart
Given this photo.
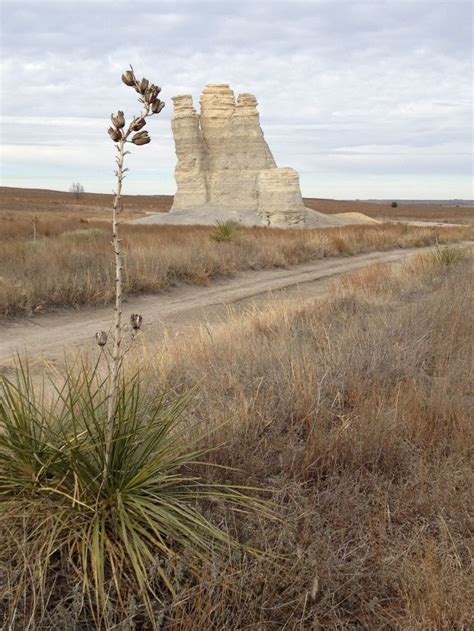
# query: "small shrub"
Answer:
x=81 y=236
x=76 y=189
x=39 y=246
x=341 y=245
x=394 y=205
x=447 y=255
x=226 y=231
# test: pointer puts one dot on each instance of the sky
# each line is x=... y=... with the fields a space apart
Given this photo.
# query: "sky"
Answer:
x=364 y=99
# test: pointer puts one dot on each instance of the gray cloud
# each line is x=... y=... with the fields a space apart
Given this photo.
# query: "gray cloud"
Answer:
x=353 y=94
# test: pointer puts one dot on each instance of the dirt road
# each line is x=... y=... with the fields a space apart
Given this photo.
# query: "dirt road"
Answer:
x=50 y=336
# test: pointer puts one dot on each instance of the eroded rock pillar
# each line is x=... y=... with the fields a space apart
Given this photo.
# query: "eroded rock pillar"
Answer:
x=279 y=198
x=191 y=168
x=217 y=110
x=251 y=152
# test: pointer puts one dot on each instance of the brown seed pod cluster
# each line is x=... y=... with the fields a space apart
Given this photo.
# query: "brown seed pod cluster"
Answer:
x=153 y=105
x=136 y=321
x=101 y=338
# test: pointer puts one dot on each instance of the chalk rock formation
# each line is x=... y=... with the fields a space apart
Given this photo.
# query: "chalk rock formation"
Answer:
x=226 y=171
x=279 y=198
x=191 y=170
x=224 y=162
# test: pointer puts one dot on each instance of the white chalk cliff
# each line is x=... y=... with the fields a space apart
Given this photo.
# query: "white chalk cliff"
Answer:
x=225 y=168
x=226 y=171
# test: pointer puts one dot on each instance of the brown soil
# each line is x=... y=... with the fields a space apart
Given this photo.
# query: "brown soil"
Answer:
x=427 y=212
x=89 y=205
x=95 y=205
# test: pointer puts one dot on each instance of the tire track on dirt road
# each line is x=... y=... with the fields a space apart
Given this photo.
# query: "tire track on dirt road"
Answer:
x=51 y=335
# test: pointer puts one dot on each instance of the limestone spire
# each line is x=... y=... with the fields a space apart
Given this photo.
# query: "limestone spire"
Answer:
x=224 y=161
x=246 y=124
x=191 y=168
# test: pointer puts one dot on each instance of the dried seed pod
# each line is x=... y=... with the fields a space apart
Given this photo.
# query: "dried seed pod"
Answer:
x=151 y=93
x=142 y=141
x=101 y=338
x=138 y=124
x=143 y=85
x=141 y=138
x=129 y=78
x=157 y=106
x=136 y=321
x=118 y=120
x=115 y=134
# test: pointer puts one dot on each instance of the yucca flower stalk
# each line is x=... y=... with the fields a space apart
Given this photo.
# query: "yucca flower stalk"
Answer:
x=101 y=497
x=123 y=135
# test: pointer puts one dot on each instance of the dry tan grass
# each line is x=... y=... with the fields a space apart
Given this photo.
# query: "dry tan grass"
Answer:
x=39 y=201
x=70 y=263
x=355 y=414
x=460 y=213
x=29 y=201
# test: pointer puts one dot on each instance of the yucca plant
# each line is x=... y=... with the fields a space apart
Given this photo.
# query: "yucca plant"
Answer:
x=101 y=497
x=226 y=231
x=115 y=531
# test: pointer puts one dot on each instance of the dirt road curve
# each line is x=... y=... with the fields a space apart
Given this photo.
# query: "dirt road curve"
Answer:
x=50 y=335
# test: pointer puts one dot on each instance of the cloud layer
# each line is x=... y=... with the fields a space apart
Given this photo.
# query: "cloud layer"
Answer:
x=365 y=99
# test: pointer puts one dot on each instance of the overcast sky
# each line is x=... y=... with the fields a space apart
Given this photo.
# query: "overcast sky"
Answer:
x=364 y=99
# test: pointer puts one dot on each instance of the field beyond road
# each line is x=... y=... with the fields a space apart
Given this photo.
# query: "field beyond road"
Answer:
x=49 y=336
x=95 y=205
x=55 y=251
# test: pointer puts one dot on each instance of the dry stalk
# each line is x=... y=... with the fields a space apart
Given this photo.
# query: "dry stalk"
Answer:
x=122 y=135
x=35 y=222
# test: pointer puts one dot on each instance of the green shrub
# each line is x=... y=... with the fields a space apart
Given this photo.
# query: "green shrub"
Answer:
x=226 y=231
x=109 y=532
x=447 y=255
x=86 y=235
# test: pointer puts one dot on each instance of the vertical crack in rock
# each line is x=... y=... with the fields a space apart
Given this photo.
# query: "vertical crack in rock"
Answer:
x=224 y=162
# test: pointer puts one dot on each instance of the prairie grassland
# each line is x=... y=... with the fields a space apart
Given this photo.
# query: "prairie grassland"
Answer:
x=27 y=202
x=450 y=213
x=72 y=267
x=357 y=413
x=38 y=201
x=352 y=414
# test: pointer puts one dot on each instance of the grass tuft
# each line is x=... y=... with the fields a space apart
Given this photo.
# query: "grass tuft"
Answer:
x=447 y=255
x=86 y=235
x=226 y=231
